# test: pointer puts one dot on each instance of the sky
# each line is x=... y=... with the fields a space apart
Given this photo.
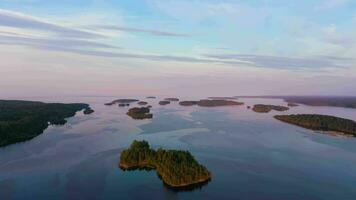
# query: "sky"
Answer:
x=177 y=47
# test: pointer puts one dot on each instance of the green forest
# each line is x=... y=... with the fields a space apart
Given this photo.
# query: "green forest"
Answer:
x=24 y=120
x=176 y=168
x=320 y=122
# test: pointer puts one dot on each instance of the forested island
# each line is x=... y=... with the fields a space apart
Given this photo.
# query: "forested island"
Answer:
x=210 y=103
x=142 y=103
x=321 y=123
x=171 y=99
x=334 y=101
x=177 y=169
x=163 y=103
x=24 y=120
x=263 y=108
x=121 y=101
x=140 y=113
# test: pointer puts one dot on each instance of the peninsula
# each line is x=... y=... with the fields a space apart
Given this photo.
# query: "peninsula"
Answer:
x=24 y=120
x=321 y=123
x=177 y=169
x=262 y=108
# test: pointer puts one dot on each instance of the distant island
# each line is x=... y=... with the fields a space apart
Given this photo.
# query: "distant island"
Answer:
x=142 y=103
x=223 y=98
x=150 y=97
x=290 y=104
x=316 y=122
x=334 y=101
x=122 y=101
x=88 y=111
x=263 y=108
x=140 y=113
x=24 y=120
x=171 y=99
x=162 y=103
x=177 y=169
x=210 y=103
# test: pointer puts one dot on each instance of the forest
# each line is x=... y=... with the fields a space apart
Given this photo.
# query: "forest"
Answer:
x=320 y=122
x=24 y=120
x=176 y=168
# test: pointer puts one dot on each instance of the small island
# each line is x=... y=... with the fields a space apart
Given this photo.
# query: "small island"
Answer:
x=291 y=104
x=223 y=98
x=24 y=120
x=121 y=101
x=162 y=103
x=262 y=108
x=88 y=111
x=210 y=103
x=142 y=103
x=171 y=99
x=328 y=124
x=177 y=169
x=140 y=113
x=150 y=97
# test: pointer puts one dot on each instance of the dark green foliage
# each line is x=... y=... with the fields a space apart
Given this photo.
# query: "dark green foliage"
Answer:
x=24 y=120
x=262 y=108
x=321 y=122
x=176 y=168
x=140 y=113
x=88 y=111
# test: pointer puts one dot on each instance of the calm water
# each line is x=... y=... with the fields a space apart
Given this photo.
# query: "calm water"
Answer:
x=251 y=155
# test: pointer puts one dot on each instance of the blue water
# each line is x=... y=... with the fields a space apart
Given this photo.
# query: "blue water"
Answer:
x=251 y=155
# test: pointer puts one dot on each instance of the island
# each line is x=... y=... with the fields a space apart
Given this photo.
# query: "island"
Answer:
x=162 y=103
x=150 y=97
x=326 y=123
x=171 y=99
x=188 y=103
x=210 y=103
x=291 y=104
x=121 y=101
x=140 y=113
x=88 y=111
x=142 y=103
x=223 y=98
x=263 y=108
x=334 y=101
x=176 y=168
x=24 y=120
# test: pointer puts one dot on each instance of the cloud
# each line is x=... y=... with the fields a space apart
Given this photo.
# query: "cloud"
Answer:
x=22 y=21
x=140 y=30
x=54 y=42
x=290 y=63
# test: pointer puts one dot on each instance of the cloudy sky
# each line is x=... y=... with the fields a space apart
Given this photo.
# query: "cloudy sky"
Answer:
x=177 y=47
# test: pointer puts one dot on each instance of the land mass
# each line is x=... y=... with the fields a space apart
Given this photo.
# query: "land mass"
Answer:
x=177 y=169
x=334 y=101
x=210 y=103
x=321 y=123
x=122 y=101
x=142 y=103
x=140 y=113
x=263 y=108
x=24 y=120
x=171 y=99
x=162 y=103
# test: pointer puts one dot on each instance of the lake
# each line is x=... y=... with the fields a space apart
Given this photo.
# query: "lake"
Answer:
x=251 y=155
